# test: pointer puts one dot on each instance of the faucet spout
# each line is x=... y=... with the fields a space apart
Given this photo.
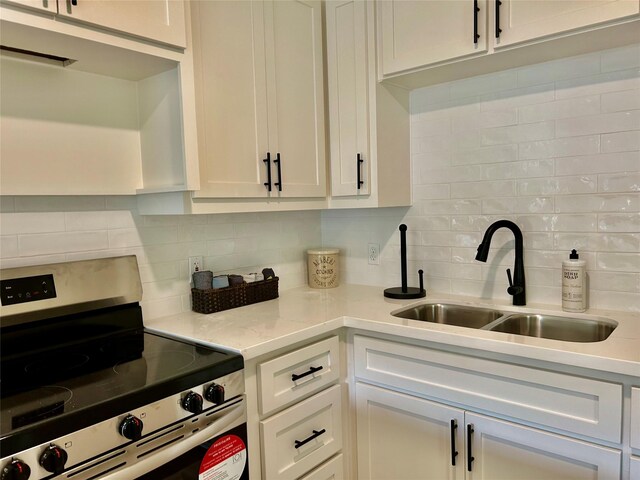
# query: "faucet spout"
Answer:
x=517 y=286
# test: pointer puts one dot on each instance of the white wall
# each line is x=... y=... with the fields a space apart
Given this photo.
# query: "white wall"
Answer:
x=553 y=147
x=38 y=230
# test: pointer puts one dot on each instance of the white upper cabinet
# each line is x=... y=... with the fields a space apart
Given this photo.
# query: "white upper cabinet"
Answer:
x=161 y=21
x=526 y=20
x=348 y=86
x=426 y=42
x=42 y=5
x=368 y=121
x=417 y=33
x=260 y=99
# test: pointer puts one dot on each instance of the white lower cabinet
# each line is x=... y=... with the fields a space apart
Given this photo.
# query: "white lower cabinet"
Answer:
x=406 y=437
x=635 y=468
x=401 y=437
x=330 y=470
x=303 y=436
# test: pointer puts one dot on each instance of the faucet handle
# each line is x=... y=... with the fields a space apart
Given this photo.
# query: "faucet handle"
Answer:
x=512 y=290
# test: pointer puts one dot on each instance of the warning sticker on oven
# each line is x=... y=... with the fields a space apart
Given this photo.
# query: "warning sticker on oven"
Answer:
x=225 y=459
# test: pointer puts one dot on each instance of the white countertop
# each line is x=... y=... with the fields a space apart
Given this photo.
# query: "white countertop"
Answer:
x=303 y=313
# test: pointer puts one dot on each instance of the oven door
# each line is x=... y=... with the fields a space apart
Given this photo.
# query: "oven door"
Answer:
x=217 y=451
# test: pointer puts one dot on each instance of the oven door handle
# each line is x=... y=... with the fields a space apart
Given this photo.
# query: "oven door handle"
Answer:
x=231 y=417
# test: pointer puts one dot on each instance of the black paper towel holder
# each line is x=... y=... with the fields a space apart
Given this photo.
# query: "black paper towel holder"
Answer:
x=405 y=292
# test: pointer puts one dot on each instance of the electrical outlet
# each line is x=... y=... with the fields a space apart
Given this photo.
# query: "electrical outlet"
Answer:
x=195 y=262
x=373 y=254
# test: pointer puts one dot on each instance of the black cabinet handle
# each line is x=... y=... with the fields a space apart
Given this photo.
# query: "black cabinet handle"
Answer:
x=267 y=161
x=359 y=163
x=279 y=182
x=311 y=371
x=454 y=452
x=470 y=457
x=476 y=9
x=498 y=29
x=316 y=434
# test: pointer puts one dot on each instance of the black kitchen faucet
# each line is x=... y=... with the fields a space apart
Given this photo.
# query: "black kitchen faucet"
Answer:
x=516 y=286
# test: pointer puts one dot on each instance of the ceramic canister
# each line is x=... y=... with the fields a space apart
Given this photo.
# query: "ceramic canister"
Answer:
x=323 y=266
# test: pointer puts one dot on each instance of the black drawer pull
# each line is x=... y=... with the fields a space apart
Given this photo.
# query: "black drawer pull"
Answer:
x=476 y=9
x=454 y=452
x=279 y=182
x=360 y=162
x=498 y=29
x=311 y=371
x=470 y=457
x=316 y=434
x=267 y=161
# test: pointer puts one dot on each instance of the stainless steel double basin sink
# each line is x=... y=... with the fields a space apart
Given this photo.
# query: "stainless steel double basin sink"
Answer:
x=553 y=327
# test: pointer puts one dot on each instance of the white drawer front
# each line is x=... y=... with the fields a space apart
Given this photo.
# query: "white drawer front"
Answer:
x=575 y=404
x=318 y=417
x=635 y=418
x=277 y=378
x=331 y=470
x=635 y=468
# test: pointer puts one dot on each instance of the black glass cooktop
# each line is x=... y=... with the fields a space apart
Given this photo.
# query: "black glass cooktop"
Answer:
x=146 y=367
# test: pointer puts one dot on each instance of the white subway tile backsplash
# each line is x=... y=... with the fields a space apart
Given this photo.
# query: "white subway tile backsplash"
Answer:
x=507 y=99
x=8 y=246
x=598 y=84
x=602 y=163
x=492 y=154
x=517 y=133
x=557 y=185
x=621 y=142
x=75 y=221
x=50 y=243
x=505 y=188
x=620 y=101
x=486 y=119
x=21 y=223
x=526 y=169
x=561 y=147
x=59 y=204
x=484 y=84
x=619 y=222
x=558 y=70
x=597 y=203
x=621 y=262
x=508 y=205
x=600 y=242
x=620 y=58
x=619 y=182
x=604 y=123
x=569 y=108
x=616 y=281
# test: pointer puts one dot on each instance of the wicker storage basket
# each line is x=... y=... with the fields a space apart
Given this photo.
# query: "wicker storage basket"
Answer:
x=218 y=299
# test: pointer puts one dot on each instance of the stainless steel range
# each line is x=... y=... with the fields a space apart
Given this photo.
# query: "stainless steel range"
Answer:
x=89 y=393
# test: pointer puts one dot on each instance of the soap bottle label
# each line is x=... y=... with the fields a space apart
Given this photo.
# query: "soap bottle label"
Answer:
x=573 y=289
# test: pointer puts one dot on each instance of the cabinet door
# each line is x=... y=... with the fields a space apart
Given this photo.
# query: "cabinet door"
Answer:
x=635 y=418
x=635 y=468
x=159 y=20
x=347 y=73
x=401 y=437
x=523 y=20
x=295 y=95
x=46 y=5
x=229 y=63
x=418 y=33
x=501 y=448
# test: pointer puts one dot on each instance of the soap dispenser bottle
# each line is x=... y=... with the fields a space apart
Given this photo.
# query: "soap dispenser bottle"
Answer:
x=574 y=284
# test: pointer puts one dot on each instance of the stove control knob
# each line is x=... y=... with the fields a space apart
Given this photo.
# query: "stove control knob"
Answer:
x=53 y=459
x=131 y=427
x=16 y=470
x=192 y=402
x=214 y=393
